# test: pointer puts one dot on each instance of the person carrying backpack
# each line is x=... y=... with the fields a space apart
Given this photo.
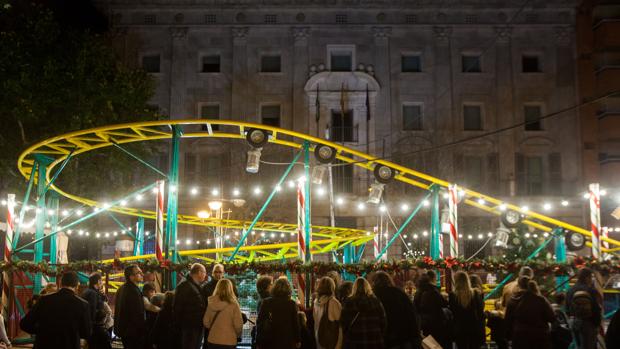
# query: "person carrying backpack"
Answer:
x=326 y=314
x=584 y=308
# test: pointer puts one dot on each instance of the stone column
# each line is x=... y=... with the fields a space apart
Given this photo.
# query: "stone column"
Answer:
x=445 y=120
x=178 y=54
x=300 y=120
x=239 y=107
x=505 y=110
x=381 y=120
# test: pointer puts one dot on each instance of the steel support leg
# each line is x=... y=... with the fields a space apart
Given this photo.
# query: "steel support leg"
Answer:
x=435 y=224
x=560 y=257
x=43 y=162
x=308 y=223
x=138 y=246
x=171 y=216
x=53 y=206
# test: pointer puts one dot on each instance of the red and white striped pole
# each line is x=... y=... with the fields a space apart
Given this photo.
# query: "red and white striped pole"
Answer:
x=605 y=243
x=441 y=245
x=595 y=219
x=7 y=288
x=301 y=240
x=453 y=219
x=159 y=222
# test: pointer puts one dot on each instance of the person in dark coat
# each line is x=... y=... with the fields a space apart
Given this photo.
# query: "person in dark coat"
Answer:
x=528 y=316
x=129 y=321
x=612 y=336
x=189 y=307
x=100 y=338
x=60 y=319
x=467 y=307
x=430 y=304
x=403 y=327
x=164 y=334
x=363 y=318
x=277 y=325
x=264 y=284
x=586 y=328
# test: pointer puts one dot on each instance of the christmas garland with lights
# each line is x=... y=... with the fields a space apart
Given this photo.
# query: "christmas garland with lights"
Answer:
x=494 y=265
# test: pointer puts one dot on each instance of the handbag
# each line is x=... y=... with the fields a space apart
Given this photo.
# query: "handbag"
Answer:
x=329 y=331
x=430 y=343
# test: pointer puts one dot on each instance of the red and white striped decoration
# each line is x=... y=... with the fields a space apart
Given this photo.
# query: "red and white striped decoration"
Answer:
x=10 y=228
x=595 y=219
x=375 y=242
x=301 y=223
x=605 y=244
x=159 y=222
x=452 y=219
x=441 y=245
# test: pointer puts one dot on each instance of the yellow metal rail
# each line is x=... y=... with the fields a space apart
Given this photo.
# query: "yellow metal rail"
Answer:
x=83 y=141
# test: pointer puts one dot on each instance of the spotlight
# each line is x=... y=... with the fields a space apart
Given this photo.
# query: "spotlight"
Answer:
x=425 y=233
x=603 y=192
x=173 y=188
x=215 y=205
x=107 y=235
x=404 y=207
x=320 y=191
x=481 y=201
x=123 y=203
x=547 y=206
x=278 y=188
x=361 y=206
x=154 y=190
x=291 y=184
x=324 y=153
x=426 y=203
x=65 y=213
x=469 y=237
x=565 y=203
x=215 y=192
x=502 y=207
x=139 y=196
x=188 y=241
x=253 y=160
x=50 y=212
x=203 y=214
x=236 y=192
x=480 y=236
x=376 y=191
x=257 y=190
x=339 y=201
x=3 y=202
x=317 y=174
x=382 y=208
x=525 y=209
x=586 y=196
x=194 y=191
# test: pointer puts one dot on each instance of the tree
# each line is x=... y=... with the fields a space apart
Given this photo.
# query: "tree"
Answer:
x=58 y=78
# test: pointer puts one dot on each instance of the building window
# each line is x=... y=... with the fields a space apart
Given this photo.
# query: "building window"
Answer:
x=342 y=129
x=473 y=171
x=530 y=64
x=343 y=177
x=471 y=64
x=532 y=115
x=210 y=167
x=211 y=64
x=411 y=64
x=412 y=117
x=411 y=19
x=555 y=174
x=270 y=64
x=472 y=118
x=529 y=174
x=531 y=18
x=471 y=19
x=210 y=112
x=150 y=19
x=271 y=19
x=150 y=63
x=270 y=115
x=210 y=19
x=341 y=61
x=341 y=19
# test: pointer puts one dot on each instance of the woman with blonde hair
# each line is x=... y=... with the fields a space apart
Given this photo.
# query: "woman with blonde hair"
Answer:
x=326 y=315
x=363 y=318
x=467 y=307
x=223 y=317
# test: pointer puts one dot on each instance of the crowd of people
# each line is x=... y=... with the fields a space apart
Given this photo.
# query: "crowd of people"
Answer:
x=365 y=313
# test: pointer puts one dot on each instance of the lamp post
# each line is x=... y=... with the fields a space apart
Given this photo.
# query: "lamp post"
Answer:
x=216 y=207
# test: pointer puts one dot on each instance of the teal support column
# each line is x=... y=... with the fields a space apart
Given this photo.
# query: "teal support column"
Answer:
x=22 y=211
x=171 y=213
x=138 y=246
x=43 y=162
x=308 y=225
x=560 y=256
x=53 y=207
x=435 y=224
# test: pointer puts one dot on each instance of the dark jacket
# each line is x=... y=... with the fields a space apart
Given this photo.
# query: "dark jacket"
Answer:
x=95 y=303
x=164 y=334
x=284 y=325
x=612 y=336
x=363 y=323
x=189 y=305
x=468 y=321
x=528 y=316
x=594 y=295
x=430 y=305
x=402 y=319
x=129 y=317
x=58 y=320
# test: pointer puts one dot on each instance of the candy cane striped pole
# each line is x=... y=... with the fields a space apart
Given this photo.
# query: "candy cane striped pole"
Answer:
x=301 y=221
x=8 y=246
x=441 y=245
x=452 y=220
x=605 y=244
x=159 y=221
x=595 y=219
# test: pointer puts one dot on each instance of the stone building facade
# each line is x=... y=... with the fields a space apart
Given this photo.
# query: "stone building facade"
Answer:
x=433 y=72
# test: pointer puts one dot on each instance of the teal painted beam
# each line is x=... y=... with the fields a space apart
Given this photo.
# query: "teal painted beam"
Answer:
x=138 y=246
x=145 y=163
x=308 y=223
x=41 y=215
x=85 y=218
x=172 y=210
x=560 y=257
x=54 y=207
x=402 y=227
x=435 y=224
x=22 y=211
x=121 y=225
x=59 y=170
x=264 y=207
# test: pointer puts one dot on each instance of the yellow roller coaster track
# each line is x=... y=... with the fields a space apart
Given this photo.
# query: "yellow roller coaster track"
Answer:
x=83 y=141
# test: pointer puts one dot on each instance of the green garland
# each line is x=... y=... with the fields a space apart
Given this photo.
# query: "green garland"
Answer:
x=319 y=268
